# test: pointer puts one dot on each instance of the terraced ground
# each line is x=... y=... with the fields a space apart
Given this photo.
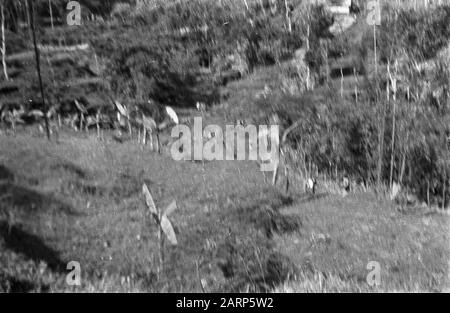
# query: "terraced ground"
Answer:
x=80 y=200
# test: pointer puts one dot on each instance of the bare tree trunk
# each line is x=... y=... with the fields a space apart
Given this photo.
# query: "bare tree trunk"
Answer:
x=144 y=136
x=27 y=9
x=381 y=146
x=402 y=168
x=129 y=128
x=375 y=50
x=394 y=99
x=51 y=13
x=97 y=122
x=262 y=7
x=444 y=191
x=38 y=68
x=308 y=73
x=326 y=62
x=246 y=5
x=3 y=49
x=392 y=146
x=27 y=13
x=356 y=85
x=288 y=17
x=161 y=249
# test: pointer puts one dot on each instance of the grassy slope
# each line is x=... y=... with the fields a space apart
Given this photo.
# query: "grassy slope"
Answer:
x=80 y=200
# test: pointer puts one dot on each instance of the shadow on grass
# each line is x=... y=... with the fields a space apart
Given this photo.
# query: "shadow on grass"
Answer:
x=30 y=201
x=11 y=284
x=247 y=258
x=265 y=215
x=69 y=167
x=310 y=198
x=6 y=174
x=30 y=246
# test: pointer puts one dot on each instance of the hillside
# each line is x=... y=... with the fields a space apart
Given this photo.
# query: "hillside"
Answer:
x=81 y=201
x=366 y=127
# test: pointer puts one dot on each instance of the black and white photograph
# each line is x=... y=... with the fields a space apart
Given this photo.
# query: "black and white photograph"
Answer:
x=222 y=153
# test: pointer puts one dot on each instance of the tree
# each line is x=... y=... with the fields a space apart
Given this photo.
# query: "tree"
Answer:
x=3 y=48
x=38 y=68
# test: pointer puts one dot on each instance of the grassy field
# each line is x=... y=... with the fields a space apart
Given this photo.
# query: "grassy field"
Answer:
x=80 y=200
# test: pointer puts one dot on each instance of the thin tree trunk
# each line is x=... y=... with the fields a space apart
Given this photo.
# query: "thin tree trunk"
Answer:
x=158 y=142
x=375 y=49
x=129 y=128
x=402 y=168
x=3 y=49
x=262 y=7
x=288 y=17
x=308 y=71
x=394 y=99
x=27 y=9
x=161 y=249
x=51 y=13
x=444 y=191
x=98 y=123
x=326 y=62
x=356 y=85
x=38 y=67
x=246 y=5
x=392 y=146
x=144 y=138
x=381 y=146
x=27 y=13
